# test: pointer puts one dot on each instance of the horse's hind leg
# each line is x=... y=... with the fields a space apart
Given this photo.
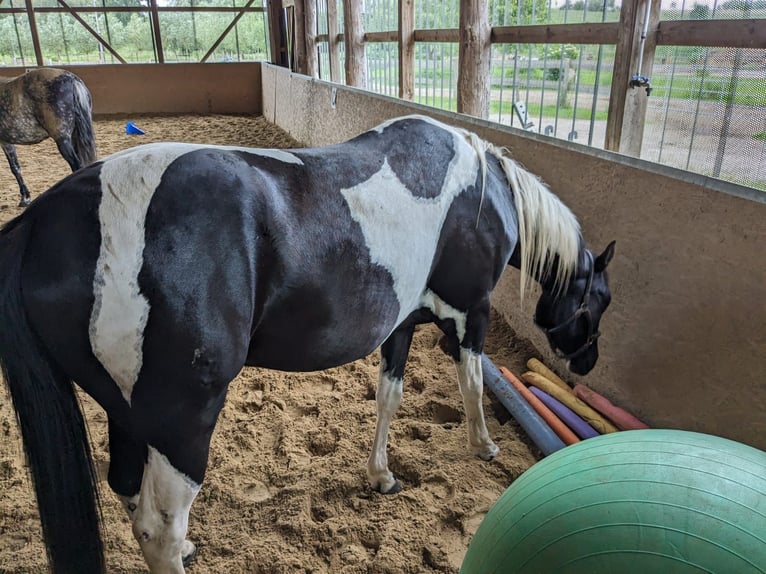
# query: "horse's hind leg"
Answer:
x=13 y=161
x=470 y=380
x=128 y=458
x=388 y=397
x=67 y=151
x=465 y=346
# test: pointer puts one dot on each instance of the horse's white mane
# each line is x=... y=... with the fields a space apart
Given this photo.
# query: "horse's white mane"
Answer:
x=547 y=227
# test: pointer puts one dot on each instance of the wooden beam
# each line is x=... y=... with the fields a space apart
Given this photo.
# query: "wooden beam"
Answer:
x=585 y=33
x=274 y=8
x=407 y=49
x=156 y=32
x=356 y=59
x=93 y=33
x=299 y=37
x=473 y=68
x=310 y=23
x=621 y=72
x=33 y=31
x=390 y=36
x=332 y=33
x=225 y=32
x=750 y=33
x=627 y=105
x=441 y=35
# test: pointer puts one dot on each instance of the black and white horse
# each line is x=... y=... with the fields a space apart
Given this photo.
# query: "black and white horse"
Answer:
x=46 y=103
x=151 y=277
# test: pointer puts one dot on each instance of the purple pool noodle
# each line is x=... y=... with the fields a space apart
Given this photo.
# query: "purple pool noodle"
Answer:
x=570 y=418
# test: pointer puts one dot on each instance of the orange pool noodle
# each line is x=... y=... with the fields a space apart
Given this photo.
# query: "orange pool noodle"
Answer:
x=621 y=418
x=592 y=417
x=558 y=426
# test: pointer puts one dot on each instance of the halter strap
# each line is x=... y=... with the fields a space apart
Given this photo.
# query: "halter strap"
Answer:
x=583 y=309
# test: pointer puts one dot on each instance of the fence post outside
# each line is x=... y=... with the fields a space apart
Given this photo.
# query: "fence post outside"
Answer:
x=473 y=68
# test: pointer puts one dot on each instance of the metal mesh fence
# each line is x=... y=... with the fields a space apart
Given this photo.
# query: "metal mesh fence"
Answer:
x=382 y=57
x=707 y=110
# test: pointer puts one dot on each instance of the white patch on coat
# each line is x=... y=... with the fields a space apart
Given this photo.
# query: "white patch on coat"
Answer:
x=162 y=517
x=401 y=230
x=445 y=311
x=277 y=154
x=120 y=311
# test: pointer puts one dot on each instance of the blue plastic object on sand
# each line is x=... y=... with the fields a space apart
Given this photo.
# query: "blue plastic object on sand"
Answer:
x=133 y=130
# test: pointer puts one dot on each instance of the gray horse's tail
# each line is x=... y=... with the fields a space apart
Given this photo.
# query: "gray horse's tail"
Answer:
x=52 y=426
x=82 y=137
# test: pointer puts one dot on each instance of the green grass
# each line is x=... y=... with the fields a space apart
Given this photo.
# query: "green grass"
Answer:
x=549 y=111
x=760 y=136
x=750 y=91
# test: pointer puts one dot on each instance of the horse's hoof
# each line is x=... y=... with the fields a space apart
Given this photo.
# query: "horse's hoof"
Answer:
x=395 y=488
x=487 y=452
x=188 y=553
x=25 y=201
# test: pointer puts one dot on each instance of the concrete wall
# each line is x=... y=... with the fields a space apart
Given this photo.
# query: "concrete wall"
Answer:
x=684 y=342
x=223 y=88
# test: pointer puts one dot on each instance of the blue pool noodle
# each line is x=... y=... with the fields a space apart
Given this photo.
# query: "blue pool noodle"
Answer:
x=537 y=429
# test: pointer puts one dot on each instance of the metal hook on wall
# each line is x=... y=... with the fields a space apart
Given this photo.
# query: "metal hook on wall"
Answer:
x=638 y=80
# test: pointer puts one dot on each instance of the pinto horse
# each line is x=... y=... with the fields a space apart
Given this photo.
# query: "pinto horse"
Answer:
x=151 y=277
x=43 y=103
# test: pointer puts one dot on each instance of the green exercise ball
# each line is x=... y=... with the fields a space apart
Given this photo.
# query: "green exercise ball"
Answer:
x=633 y=502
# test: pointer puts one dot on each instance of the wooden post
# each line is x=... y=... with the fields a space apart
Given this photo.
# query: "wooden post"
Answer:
x=406 y=49
x=310 y=22
x=277 y=34
x=356 y=59
x=33 y=32
x=627 y=105
x=332 y=39
x=474 y=55
x=299 y=11
x=156 y=32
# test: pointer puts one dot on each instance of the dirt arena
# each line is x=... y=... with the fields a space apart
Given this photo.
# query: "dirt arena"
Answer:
x=286 y=488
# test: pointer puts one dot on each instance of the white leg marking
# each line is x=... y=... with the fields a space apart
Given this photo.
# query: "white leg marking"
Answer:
x=388 y=397
x=444 y=310
x=402 y=230
x=162 y=516
x=120 y=311
x=469 y=377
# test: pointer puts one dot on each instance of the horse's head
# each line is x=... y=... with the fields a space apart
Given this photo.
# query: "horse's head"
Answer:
x=570 y=318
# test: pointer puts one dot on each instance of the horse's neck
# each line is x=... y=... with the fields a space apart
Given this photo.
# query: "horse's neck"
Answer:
x=546 y=280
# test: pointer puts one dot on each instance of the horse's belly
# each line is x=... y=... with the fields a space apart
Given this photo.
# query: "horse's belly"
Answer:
x=313 y=330
x=22 y=129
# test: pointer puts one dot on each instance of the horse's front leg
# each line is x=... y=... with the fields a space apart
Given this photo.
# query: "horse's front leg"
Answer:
x=127 y=460
x=388 y=397
x=13 y=161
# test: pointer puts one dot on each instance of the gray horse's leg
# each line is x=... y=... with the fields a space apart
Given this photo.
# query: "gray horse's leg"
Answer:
x=388 y=397
x=13 y=161
x=67 y=151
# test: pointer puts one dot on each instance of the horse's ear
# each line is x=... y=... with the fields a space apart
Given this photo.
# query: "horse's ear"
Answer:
x=603 y=260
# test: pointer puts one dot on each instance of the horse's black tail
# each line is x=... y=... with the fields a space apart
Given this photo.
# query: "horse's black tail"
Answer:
x=52 y=426
x=83 y=138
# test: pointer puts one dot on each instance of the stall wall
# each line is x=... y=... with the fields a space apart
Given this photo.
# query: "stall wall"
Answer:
x=222 y=88
x=684 y=342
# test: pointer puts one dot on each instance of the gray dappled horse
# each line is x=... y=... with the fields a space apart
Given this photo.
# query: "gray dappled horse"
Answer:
x=151 y=277
x=46 y=103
